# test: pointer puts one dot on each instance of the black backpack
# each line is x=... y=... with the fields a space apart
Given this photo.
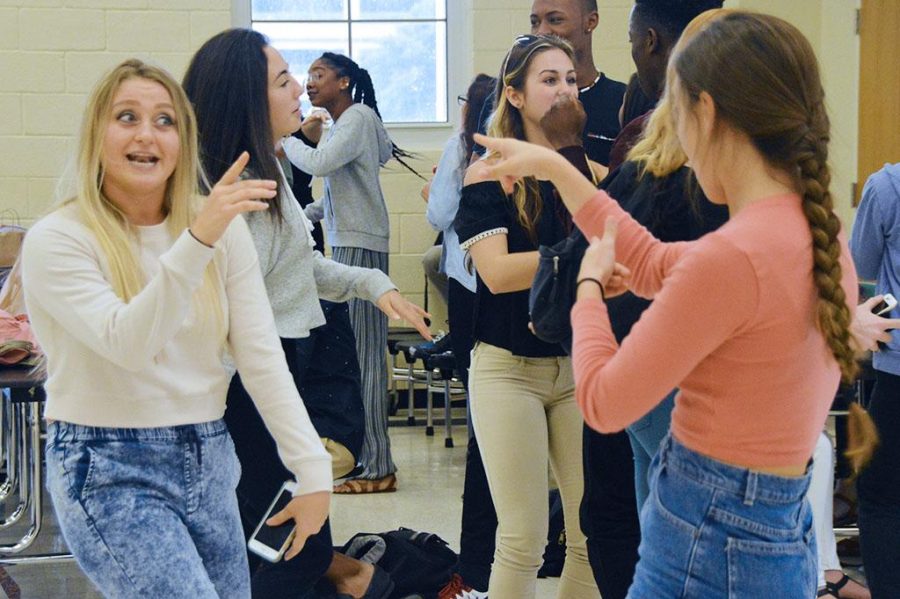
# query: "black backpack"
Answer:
x=552 y=292
x=417 y=562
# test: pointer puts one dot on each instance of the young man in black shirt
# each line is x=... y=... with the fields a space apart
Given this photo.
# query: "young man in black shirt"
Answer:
x=575 y=22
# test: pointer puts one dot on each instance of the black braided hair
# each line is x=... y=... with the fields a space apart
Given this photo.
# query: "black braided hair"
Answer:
x=362 y=91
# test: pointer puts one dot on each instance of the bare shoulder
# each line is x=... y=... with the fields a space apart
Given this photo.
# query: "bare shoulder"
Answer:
x=477 y=172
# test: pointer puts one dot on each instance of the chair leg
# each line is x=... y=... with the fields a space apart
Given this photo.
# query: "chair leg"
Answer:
x=410 y=396
x=448 y=420
x=429 y=417
x=393 y=392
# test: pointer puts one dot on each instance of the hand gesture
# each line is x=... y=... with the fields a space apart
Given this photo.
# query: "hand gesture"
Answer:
x=308 y=512
x=317 y=117
x=228 y=198
x=511 y=159
x=398 y=307
x=868 y=328
x=564 y=122
x=618 y=282
x=599 y=260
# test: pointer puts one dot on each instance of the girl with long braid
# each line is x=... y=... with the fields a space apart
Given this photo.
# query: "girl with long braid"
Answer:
x=349 y=157
x=751 y=322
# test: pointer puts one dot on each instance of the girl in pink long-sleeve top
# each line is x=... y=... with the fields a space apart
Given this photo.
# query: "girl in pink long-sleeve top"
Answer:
x=751 y=322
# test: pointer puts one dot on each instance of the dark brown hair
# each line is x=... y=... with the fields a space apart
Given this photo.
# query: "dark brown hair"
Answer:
x=477 y=95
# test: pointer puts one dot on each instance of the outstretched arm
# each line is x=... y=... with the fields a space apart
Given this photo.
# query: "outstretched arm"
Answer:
x=648 y=259
x=341 y=148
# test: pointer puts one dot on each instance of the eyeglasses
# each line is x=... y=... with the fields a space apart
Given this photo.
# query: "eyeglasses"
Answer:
x=461 y=100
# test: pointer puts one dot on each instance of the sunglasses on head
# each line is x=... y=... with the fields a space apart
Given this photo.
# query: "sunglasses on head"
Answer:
x=521 y=41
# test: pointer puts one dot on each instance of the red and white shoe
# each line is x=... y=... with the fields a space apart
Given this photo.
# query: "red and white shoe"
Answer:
x=457 y=589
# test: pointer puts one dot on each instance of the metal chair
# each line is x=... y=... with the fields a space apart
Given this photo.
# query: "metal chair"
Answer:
x=22 y=414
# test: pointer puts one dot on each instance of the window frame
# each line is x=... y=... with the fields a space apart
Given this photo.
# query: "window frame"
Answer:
x=422 y=136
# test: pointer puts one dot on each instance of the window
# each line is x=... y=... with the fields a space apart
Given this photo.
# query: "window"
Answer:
x=404 y=44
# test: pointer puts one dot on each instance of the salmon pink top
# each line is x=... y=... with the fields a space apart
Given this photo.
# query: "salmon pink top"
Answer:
x=732 y=325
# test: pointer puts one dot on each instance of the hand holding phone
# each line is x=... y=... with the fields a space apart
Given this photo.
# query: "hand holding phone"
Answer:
x=888 y=302
x=308 y=513
x=270 y=542
x=869 y=329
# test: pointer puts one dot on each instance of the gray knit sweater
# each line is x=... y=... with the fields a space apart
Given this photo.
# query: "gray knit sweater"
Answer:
x=349 y=157
x=296 y=275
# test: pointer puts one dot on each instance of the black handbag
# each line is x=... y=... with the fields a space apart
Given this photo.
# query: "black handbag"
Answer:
x=553 y=289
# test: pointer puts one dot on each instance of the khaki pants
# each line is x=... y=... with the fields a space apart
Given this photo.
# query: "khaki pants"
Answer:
x=524 y=413
x=342 y=461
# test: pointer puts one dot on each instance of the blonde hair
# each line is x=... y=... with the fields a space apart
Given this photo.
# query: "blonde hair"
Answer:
x=106 y=221
x=506 y=120
x=658 y=151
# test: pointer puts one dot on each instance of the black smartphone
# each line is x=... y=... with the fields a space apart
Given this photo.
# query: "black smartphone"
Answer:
x=270 y=542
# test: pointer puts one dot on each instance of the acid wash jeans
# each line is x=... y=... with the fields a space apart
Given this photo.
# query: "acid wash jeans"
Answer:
x=715 y=531
x=150 y=512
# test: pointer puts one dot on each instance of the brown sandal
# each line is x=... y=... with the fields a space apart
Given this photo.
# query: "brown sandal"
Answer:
x=359 y=486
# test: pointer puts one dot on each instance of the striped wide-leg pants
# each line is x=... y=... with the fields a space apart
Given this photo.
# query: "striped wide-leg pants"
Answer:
x=371 y=327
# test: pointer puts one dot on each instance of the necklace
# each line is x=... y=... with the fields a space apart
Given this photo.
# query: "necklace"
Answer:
x=592 y=84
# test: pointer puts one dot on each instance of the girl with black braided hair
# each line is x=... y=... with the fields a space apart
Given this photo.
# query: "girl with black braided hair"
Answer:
x=349 y=157
x=752 y=322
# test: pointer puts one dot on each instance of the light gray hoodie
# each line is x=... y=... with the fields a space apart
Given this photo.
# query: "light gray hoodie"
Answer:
x=349 y=157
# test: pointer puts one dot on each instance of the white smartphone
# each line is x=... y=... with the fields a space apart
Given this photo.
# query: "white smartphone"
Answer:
x=270 y=542
x=888 y=302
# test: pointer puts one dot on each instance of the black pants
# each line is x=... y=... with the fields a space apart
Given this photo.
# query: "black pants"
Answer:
x=326 y=372
x=609 y=517
x=477 y=538
x=879 y=493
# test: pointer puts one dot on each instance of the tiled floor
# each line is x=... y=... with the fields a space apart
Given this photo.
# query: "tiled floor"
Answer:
x=429 y=498
x=430 y=477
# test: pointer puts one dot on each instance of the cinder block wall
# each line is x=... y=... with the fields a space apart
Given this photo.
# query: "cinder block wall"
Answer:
x=52 y=52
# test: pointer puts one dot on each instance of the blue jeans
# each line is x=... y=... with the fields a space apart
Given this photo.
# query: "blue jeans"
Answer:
x=717 y=531
x=645 y=436
x=150 y=512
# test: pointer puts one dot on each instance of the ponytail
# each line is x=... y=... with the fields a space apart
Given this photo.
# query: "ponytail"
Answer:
x=362 y=91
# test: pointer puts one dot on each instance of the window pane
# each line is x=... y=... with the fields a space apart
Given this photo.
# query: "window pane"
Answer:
x=301 y=43
x=408 y=64
x=286 y=10
x=398 y=9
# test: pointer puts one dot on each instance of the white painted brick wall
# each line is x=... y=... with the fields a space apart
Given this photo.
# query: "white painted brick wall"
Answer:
x=53 y=51
x=51 y=54
x=66 y=29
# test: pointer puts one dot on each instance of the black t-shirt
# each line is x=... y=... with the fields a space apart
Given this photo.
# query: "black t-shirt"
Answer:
x=672 y=208
x=601 y=102
x=502 y=319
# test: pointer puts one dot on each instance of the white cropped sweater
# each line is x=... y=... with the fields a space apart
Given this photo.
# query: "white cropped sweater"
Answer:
x=154 y=361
